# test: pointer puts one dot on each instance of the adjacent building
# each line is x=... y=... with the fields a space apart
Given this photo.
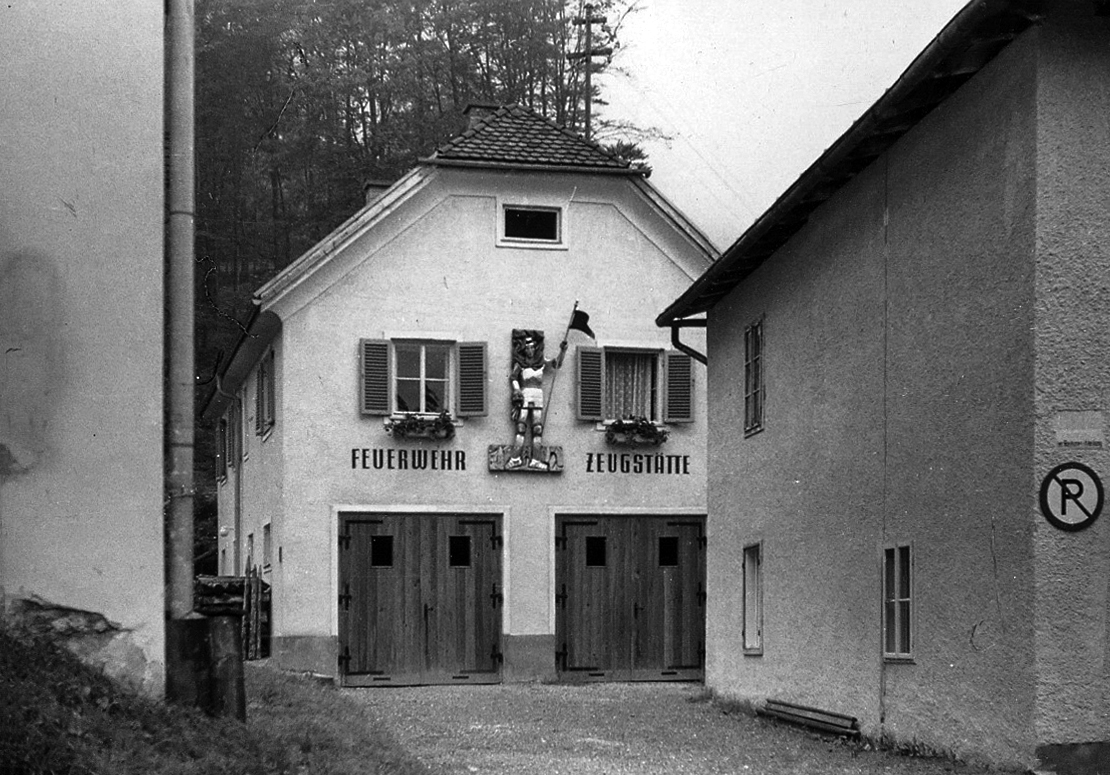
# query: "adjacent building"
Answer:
x=909 y=374
x=81 y=328
x=435 y=489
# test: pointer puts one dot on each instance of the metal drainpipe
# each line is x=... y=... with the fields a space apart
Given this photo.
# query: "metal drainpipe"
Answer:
x=183 y=627
x=676 y=325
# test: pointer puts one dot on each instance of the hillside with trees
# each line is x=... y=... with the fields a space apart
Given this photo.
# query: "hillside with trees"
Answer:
x=301 y=103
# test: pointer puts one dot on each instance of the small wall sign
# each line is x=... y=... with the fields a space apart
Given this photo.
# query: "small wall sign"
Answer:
x=1071 y=496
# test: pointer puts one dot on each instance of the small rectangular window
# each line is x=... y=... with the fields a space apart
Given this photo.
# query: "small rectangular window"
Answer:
x=381 y=551
x=897 y=602
x=753 y=378
x=421 y=372
x=266 y=546
x=250 y=551
x=595 y=551
x=753 y=599
x=265 y=399
x=221 y=449
x=668 y=551
x=532 y=224
x=631 y=384
x=458 y=551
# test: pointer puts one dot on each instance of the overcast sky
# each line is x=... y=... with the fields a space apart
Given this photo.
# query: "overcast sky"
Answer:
x=750 y=93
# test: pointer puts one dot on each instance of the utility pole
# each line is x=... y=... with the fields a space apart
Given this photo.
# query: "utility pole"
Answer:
x=589 y=20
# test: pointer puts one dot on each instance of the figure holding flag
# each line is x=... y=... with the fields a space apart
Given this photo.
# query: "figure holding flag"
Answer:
x=529 y=408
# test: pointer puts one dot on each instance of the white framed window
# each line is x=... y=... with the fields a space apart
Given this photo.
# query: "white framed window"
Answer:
x=617 y=383
x=266 y=546
x=222 y=449
x=898 y=630
x=753 y=599
x=530 y=226
x=265 y=412
x=422 y=377
x=753 y=378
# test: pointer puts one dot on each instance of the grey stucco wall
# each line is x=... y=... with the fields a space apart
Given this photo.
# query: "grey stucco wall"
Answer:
x=898 y=342
x=1072 y=570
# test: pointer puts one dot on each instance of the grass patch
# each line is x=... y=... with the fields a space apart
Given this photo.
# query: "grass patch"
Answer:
x=59 y=716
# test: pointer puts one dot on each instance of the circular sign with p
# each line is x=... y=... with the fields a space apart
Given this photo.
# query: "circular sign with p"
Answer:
x=1071 y=496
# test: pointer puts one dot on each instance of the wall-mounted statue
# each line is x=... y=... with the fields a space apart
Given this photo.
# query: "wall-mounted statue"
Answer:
x=528 y=410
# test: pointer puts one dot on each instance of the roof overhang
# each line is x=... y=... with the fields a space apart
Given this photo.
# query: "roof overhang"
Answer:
x=259 y=333
x=493 y=164
x=967 y=43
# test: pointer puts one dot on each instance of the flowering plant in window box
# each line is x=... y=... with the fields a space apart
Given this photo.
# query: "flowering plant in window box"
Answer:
x=414 y=426
x=635 y=430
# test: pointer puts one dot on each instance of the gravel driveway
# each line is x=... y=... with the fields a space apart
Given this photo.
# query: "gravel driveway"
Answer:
x=618 y=729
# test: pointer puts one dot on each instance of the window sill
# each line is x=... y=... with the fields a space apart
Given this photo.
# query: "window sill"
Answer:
x=753 y=431
x=267 y=433
x=754 y=652
x=530 y=244
x=900 y=659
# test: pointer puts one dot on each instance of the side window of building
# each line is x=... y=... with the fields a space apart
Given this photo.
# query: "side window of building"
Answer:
x=401 y=376
x=753 y=599
x=221 y=448
x=265 y=400
x=266 y=546
x=619 y=383
x=754 y=393
x=898 y=631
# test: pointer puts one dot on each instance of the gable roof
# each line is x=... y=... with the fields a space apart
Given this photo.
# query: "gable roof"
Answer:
x=515 y=137
x=966 y=44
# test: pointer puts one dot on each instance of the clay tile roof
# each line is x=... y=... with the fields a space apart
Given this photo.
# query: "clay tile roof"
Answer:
x=515 y=136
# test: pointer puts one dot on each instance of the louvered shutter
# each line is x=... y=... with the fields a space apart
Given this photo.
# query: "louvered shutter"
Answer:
x=374 y=376
x=472 y=379
x=678 y=382
x=590 y=381
x=259 y=397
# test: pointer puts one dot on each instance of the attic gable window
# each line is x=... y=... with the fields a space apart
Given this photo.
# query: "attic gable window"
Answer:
x=531 y=225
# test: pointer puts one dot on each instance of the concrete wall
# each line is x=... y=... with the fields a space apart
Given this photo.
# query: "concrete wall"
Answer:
x=898 y=357
x=1072 y=570
x=435 y=271
x=81 y=213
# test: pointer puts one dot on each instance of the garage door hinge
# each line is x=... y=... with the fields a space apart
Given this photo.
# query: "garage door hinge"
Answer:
x=496 y=655
x=496 y=541
x=561 y=597
x=701 y=594
x=345 y=541
x=561 y=657
x=345 y=597
x=496 y=596
x=344 y=660
x=560 y=542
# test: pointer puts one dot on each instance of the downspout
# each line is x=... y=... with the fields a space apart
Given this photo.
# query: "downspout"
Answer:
x=676 y=325
x=183 y=627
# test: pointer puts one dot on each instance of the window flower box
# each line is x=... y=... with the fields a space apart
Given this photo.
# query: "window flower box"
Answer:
x=414 y=426
x=633 y=431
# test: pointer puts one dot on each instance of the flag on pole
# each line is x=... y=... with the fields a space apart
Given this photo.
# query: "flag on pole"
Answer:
x=580 y=321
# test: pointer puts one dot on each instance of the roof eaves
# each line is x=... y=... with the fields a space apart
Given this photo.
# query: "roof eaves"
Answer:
x=310 y=261
x=508 y=164
x=966 y=44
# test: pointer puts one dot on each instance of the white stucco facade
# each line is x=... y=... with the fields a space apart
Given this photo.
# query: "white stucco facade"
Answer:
x=81 y=295
x=428 y=262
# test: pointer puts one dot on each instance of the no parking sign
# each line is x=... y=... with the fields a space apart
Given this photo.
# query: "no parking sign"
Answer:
x=1071 y=496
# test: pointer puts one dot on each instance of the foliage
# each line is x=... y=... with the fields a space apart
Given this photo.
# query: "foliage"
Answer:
x=635 y=430
x=414 y=426
x=300 y=103
x=57 y=715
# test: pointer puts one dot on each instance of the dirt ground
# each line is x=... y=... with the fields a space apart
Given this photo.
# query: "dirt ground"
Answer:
x=616 y=729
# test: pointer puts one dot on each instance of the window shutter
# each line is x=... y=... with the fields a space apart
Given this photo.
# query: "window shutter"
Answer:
x=678 y=382
x=472 y=379
x=260 y=398
x=374 y=376
x=590 y=379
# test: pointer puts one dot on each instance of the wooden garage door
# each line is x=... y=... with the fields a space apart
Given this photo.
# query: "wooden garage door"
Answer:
x=630 y=601
x=419 y=599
